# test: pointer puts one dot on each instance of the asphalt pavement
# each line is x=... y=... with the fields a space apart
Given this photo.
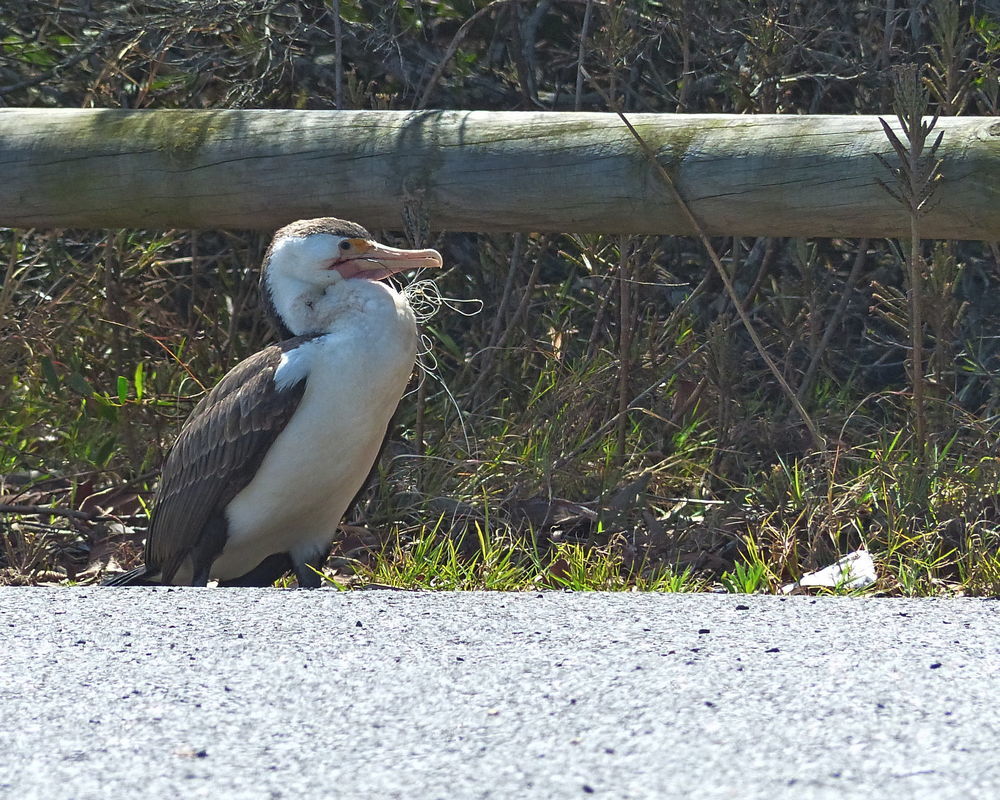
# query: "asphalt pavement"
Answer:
x=245 y=693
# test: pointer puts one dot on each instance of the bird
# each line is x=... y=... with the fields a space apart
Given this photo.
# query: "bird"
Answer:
x=270 y=459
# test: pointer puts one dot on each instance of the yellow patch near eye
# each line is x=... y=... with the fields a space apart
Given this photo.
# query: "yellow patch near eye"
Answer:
x=360 y=245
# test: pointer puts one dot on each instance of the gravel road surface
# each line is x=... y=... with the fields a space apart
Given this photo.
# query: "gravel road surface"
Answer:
x=241 y=693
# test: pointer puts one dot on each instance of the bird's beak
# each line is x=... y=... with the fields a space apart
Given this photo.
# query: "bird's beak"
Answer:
x=375 y=261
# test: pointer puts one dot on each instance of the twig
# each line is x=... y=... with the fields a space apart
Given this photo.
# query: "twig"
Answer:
x=581 y=53
x=17 y=508
x=489 y=356
x=834 y=323
x=452 y=48
x=818 y=442
x=522 y=307
x=624 y=345
x=888 y=30
x=528 y=33
x=338 y=55
x=460 y=35
x=41 y=78
x=418 y=426
x=763 y=270
x=686 y=71
x=508 y=287
x=515 y=320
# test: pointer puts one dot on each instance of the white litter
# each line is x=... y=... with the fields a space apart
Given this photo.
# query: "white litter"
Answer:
x=854 y=571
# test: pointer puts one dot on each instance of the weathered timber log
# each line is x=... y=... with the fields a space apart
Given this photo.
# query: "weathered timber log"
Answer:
x=482 y=171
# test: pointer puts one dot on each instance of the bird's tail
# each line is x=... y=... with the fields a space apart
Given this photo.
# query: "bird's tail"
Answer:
x=134 y=577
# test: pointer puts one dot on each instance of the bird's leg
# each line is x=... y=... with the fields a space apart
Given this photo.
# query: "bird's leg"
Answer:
x=207 y=549
x=201 y=575
x=307 y=569
x=307 y=577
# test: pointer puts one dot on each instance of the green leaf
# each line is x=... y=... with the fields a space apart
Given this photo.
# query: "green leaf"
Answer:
x=49 y=373
x=103 y=407
x=449 y=344
x=140 y=380
x=105 y=451
x=122 y=389
x=78 y=383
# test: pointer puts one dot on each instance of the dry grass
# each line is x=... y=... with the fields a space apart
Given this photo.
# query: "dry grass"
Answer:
x=606 y=421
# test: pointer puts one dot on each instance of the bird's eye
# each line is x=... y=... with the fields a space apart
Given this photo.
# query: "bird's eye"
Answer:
x=345 y=245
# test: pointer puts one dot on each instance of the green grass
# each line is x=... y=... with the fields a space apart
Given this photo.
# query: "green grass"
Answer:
x=431 y=560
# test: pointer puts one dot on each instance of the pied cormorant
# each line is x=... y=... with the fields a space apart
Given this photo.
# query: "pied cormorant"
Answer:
x=269 y=460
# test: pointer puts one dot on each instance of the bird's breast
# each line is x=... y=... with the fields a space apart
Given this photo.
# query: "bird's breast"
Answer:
x=355 y=376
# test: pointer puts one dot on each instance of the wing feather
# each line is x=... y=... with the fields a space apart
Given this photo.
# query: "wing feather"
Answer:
x=217 y=453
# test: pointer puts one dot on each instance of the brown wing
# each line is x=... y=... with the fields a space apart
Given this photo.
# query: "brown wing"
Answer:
x=217 y=454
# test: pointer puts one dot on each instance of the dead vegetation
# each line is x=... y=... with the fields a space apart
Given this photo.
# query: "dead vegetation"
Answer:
x=606 y=420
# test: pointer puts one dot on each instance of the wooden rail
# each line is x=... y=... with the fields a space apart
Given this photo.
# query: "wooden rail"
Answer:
x=481 y=171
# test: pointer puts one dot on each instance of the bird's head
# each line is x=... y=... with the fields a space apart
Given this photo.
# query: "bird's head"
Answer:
x=316 y=254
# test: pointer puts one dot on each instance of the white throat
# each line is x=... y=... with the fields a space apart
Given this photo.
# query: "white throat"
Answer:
x=304 y=295
x=312 y=300
x=303 y=307
x=370 y=306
